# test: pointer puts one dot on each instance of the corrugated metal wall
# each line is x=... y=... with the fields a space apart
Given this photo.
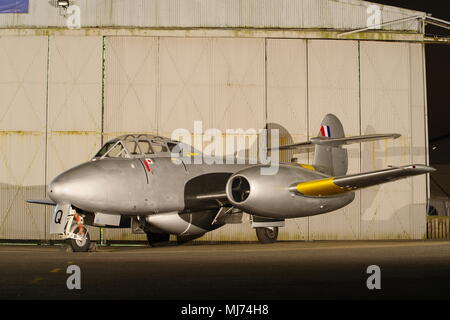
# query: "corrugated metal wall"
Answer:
x=287 y=107
x=389 y=102
x=298 y=14
x=333 y=83
x=74 y=113
x=157 y=84
x=420 y=192
x=23 y=82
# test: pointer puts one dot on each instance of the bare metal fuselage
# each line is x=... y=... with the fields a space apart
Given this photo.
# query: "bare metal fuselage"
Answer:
x=157 y=184
x=126 y=187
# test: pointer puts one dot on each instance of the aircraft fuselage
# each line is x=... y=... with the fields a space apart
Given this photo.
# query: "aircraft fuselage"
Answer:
x=133 y=187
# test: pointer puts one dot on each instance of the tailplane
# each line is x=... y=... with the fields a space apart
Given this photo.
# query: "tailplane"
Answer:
x=330 y=157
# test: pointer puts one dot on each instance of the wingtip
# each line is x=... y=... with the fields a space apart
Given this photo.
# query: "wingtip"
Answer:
x=421 y=168
x=430 y=169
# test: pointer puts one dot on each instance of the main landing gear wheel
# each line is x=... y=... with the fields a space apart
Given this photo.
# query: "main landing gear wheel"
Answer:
x=80 y=245
x=267 y=235
x=186 y=239
x=156 y=238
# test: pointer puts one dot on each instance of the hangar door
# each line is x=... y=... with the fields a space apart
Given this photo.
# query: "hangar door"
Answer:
x=23 y=78
x=65 y=95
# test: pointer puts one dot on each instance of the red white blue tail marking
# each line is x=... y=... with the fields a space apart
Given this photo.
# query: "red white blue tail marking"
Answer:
x=325 y=131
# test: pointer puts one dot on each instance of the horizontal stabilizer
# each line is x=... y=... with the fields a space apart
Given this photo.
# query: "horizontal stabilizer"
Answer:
x=46 y=202
x=336 y=142
x=332 y=186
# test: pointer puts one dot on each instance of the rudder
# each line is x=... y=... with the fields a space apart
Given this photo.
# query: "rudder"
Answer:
x=327 y=159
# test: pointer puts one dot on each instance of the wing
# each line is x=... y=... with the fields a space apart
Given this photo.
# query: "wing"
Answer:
x=335 y=142
x=46 y=202
x=336 y=185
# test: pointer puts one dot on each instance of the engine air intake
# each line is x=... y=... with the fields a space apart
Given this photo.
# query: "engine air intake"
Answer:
x=240 y=189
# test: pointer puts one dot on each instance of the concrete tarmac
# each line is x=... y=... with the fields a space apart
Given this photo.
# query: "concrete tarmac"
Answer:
x=284 y=270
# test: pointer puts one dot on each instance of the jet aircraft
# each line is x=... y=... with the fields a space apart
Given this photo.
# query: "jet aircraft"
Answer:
x=133 y=181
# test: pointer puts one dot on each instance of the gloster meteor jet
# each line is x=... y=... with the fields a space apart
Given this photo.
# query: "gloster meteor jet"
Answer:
x=133 y=181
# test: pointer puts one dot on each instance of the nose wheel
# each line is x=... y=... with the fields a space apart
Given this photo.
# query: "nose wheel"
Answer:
x=78 y=235
x=267 y=235
x=83 y=242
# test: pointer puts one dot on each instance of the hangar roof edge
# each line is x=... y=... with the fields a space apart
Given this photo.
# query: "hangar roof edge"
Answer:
x=262 y=14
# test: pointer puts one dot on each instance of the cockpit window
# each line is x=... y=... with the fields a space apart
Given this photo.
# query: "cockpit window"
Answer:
x=117 y=151
x=145 y=146
x=104 y=149
x=182 y=149
x=159 y=147
x=132 y=147
x=113 y=150
x=136 y=146
x=172 y=146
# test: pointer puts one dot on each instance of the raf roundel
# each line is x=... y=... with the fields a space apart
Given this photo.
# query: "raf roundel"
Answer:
x=147 y=163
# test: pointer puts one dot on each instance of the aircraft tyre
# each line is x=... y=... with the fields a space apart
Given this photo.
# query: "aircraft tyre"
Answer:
x=156 y=238
x=267 y=235
x=80 y=245
x=186 y=239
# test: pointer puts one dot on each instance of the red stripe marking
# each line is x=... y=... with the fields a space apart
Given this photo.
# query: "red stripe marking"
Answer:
x=147 y=166
x=322 y=130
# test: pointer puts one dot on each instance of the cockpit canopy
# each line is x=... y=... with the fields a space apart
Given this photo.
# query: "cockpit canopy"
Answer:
x=137 y=146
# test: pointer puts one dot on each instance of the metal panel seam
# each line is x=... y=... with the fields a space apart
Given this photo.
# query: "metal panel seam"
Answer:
x=102 y=123
x=102 y=120
x=307 y=121
x=46 y=132
x=425 y=97
x=158 y=84
x=411 y=228
x=360 y=132
x=265 y=87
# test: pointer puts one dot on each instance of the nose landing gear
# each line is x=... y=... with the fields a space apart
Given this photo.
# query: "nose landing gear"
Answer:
x=82 y=242
x=76 y=233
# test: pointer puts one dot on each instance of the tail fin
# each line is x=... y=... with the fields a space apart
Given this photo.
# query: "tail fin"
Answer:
x=331 y=160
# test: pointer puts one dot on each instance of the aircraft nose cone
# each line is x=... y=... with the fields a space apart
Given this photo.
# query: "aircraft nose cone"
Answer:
x=98 y=186
x=57 y=189
x=75 y=185
x=87 y=186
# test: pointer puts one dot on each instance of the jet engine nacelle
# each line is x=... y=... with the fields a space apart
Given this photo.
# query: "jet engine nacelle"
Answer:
x=184 y=224
x=269 y=195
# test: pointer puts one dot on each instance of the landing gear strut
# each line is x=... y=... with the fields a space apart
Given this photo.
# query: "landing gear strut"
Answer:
x=267 y=234
x=78 y=235
x=80 y=245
